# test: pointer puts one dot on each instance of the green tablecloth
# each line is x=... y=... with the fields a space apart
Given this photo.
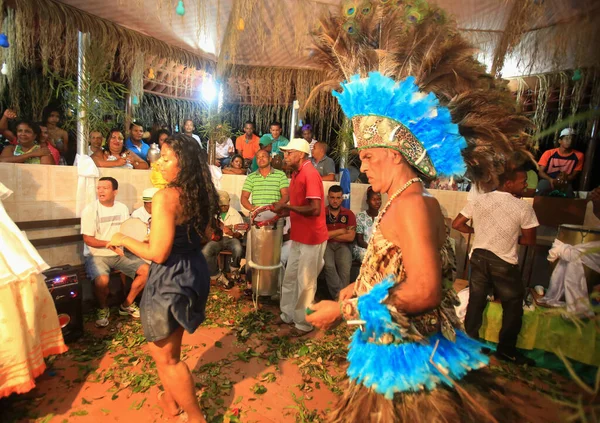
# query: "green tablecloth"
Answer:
x=546 y=330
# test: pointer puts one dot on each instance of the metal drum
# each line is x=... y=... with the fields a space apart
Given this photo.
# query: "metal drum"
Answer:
x=577 y=234
x=266 y=237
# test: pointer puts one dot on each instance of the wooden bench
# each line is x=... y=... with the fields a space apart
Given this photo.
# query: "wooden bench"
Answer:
x=51 y=224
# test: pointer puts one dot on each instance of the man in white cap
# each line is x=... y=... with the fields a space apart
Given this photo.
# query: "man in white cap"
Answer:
x=559 y=167
x=144 y=213
x=308 y=234
x=230 y=222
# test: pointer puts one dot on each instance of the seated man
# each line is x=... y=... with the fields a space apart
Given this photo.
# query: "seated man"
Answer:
x=247 y=144
x=341 y=224
x=100 y=220
x=229 y=220
x=322 y=162
x=144 y=213
x=274 y=138
x=559 y=167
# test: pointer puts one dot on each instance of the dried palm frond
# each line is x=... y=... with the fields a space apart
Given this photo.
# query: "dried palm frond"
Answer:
x=50 y=28
x=411 y=38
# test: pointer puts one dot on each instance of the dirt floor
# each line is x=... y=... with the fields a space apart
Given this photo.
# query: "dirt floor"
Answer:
x=246 y=370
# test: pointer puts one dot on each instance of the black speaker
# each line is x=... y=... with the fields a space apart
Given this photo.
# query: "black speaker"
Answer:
x=65 y=288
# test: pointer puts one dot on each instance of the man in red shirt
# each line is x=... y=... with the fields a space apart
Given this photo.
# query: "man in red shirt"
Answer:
x=248 y=144
x=560 y=166
x=308 y=234
x=341 y=225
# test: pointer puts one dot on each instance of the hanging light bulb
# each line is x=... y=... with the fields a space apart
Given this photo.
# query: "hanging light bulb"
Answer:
x=180 y=10
x=4 y=70
x=4 y=40
x=151 y=74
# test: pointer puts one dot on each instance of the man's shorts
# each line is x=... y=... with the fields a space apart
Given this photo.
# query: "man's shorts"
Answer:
x=102 y=265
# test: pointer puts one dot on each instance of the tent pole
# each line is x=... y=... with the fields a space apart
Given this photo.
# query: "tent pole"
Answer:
x=586 y=175
x=82 y=94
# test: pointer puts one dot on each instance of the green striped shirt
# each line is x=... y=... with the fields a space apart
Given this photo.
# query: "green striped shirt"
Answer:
x=265 y=190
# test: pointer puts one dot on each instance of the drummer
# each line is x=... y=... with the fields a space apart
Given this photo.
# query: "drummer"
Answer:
x=100 y=220
x=144 y=213
x=498 y=218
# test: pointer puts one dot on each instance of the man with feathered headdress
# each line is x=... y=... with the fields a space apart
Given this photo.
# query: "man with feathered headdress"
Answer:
x=418 y=101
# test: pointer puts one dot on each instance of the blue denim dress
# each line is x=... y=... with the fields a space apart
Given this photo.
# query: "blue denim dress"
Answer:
x=176 y=292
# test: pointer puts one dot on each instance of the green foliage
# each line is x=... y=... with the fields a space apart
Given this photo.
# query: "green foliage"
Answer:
x=102 y=103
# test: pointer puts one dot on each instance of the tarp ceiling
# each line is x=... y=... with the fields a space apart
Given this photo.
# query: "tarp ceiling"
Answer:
x=275 y=33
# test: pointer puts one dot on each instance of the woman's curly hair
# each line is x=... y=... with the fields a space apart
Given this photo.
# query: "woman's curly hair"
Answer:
x=199 y=198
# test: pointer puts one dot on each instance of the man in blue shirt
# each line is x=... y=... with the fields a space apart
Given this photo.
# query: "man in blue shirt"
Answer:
x=277 y=140
x=135 y=143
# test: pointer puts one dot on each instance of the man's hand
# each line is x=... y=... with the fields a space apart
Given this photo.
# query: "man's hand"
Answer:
x=10 y=114
x=278 y=208
x=326 y=315
x=347 y=292
x=44 y=151
x=227 y=231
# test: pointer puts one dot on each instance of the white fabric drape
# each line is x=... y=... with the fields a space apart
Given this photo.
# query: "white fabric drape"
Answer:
x=568 y=278
x=86 y=182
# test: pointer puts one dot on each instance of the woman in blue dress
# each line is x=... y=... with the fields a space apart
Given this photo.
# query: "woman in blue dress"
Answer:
x=178 y=283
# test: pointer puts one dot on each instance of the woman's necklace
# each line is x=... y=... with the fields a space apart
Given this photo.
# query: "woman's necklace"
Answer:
x=393 y=197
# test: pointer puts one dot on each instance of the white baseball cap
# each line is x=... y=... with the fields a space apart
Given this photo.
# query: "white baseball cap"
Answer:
x=148 y=193
x=298 y=144
x=566 y=131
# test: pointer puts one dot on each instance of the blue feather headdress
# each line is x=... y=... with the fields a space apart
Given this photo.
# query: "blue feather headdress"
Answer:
x=396 y=115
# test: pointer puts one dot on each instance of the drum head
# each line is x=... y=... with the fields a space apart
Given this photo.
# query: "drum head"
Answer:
x=264 y=216
x=580 y=228
x=134 y=228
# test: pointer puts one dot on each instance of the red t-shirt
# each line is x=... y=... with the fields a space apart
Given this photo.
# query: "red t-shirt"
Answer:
x=344 y=219
x=307 y=184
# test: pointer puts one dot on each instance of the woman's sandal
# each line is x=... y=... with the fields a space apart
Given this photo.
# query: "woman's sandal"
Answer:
x=180 y=411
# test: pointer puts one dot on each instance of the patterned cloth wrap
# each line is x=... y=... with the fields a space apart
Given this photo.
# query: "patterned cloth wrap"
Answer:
x=393 y=352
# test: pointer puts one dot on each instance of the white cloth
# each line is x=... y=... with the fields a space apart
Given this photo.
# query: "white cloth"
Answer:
x=142 y=214
x=102 y=223
x=474 y=193
x=197 y=138
x=590 y=218
x=222 y=150
x=216 y=175
x=86 y=182
x=300 y=282
x=568 y=277
x=498 y=218
x=18 y=258
x=232 y=217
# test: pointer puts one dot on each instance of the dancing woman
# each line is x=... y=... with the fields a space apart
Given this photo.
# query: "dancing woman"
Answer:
x=178 y=282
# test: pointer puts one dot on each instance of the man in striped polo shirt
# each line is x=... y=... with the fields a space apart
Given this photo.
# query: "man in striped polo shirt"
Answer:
x=267 y=185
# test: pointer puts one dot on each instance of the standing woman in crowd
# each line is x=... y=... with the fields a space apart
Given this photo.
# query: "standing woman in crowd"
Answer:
x=115 y=154
x=27 y=149
x=184 y=214
x=58 y=137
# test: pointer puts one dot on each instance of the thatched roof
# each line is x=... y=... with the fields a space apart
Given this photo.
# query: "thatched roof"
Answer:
x=549 y=34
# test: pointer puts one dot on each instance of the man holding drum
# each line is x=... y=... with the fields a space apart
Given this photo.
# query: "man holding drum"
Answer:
x=308 y=234
x=100 y=220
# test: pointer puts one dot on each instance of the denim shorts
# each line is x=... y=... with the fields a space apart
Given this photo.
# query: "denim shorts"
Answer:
x=128 y=264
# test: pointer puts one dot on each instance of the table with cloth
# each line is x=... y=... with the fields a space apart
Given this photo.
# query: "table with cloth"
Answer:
x=545 y=329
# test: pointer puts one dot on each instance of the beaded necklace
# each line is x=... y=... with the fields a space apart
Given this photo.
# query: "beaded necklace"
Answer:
x=391 y=199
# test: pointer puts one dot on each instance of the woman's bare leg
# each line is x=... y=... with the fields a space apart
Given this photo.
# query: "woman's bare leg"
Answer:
x=175 y=376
